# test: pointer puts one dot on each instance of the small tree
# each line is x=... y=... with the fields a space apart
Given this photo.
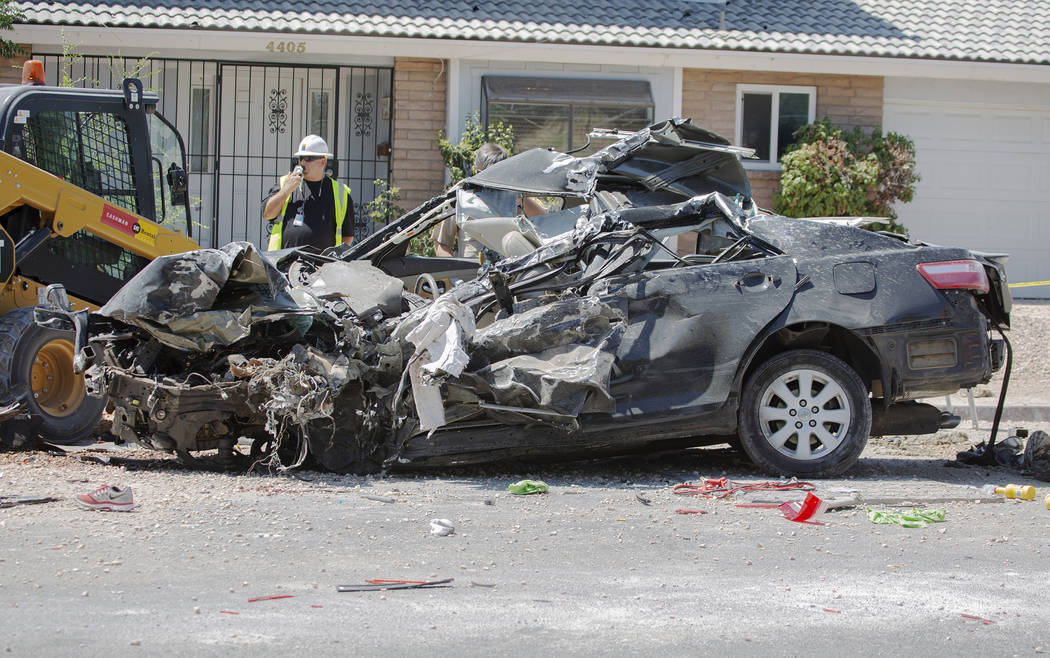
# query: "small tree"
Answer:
x=829 y=171
x=383 y=209
x=459 y=158
x=8 y=17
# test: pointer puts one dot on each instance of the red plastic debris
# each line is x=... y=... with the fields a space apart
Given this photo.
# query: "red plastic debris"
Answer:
x=228 y=612
x=976 y=618
x=722 y=487
x=805 y=512
x=837 y=612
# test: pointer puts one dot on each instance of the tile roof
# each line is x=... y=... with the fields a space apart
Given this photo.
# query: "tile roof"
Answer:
x=1016 y=31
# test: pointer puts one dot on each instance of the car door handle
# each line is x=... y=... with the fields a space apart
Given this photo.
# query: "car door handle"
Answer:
x=756 y=281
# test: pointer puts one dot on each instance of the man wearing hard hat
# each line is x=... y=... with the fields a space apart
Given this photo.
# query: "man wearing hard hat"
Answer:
x=306 y=207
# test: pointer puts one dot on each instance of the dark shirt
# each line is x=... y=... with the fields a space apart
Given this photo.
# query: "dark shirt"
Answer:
x=318 y=227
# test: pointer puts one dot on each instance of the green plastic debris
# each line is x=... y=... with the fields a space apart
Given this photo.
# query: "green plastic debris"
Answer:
x=527 y=487
x=916 y=518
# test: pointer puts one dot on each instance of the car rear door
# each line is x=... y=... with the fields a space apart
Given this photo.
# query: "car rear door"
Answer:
x=688 y=328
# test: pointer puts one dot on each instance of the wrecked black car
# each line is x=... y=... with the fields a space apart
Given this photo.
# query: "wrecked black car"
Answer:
x=797 y=339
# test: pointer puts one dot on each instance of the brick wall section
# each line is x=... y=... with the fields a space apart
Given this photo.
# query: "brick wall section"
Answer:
x=709 y=98
x=419 y=113
x=11 y=67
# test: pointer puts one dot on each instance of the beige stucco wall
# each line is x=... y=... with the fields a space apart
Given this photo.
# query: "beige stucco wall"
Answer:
x=419 y=113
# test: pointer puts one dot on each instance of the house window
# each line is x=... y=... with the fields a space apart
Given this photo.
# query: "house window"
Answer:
x=319 y=114
x=559 y=112
x=200 y=128
x=767 y=117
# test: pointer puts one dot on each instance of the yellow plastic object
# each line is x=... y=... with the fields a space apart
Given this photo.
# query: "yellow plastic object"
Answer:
x=1047 y=501
x=1026 y=492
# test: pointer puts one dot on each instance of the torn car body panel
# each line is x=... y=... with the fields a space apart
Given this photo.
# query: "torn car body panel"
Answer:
x=598 y=340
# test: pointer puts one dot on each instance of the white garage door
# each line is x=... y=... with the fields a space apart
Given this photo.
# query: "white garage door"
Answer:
x=983 y=151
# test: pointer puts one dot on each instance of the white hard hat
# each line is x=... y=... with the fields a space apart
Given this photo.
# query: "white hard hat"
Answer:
x=312 y=145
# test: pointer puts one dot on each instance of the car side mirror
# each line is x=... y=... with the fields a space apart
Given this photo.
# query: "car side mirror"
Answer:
x=177 y=182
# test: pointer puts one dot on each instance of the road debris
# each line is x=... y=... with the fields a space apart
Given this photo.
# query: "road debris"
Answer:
x=385 y=585
x=723 y=487
x=690 y=511
x=378 y=499
x=11 y=501
x=643 y=500
x=107 y=498
x=441 y=527
x=1029 y=454
x=271 y=598
x=806 y=511
x=1017 y=491
x=915 y=518
x=526 y=487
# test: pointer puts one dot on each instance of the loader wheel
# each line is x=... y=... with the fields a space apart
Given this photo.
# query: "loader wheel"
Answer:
x=41 y=360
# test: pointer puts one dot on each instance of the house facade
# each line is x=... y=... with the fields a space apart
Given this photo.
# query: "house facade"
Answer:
x=968 y=81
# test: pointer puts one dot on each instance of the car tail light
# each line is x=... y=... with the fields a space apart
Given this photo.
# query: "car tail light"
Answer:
x=955 y=274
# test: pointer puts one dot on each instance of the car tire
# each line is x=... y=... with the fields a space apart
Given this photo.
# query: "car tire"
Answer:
x=779 y=429
x=40 y=360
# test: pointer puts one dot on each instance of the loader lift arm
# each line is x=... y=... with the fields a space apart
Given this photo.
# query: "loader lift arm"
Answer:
x=65 y=208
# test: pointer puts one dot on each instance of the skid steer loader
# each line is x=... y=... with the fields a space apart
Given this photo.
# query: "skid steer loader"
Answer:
x=93 y=186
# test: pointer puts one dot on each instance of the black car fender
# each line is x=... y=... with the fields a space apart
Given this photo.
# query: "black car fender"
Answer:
x=788 y=333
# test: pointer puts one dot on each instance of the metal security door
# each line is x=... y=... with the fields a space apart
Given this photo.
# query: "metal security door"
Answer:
x=241 y=122
x=365 y=135
x=264 y=112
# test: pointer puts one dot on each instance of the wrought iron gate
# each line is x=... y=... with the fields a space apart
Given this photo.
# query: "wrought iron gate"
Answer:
x=241 y=123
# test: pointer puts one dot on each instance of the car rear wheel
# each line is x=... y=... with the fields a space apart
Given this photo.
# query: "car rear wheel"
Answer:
x=804 y=413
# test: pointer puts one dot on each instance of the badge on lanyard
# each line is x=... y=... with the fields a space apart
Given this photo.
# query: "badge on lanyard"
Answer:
x=298 y=221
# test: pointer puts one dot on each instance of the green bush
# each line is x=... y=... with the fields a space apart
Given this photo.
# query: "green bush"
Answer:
x=832 y=172
x=459 y=157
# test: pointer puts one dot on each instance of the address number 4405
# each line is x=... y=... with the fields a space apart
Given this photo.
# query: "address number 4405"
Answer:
x=286 y=46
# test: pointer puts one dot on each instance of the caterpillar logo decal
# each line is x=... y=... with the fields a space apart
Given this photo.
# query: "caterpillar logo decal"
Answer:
x=7 y=256
x=147 y=234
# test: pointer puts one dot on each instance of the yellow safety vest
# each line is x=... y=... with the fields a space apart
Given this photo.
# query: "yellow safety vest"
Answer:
x=340 y=192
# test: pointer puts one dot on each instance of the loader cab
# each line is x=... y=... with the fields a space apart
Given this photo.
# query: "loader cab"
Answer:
x=120 y=149
x=111 y=143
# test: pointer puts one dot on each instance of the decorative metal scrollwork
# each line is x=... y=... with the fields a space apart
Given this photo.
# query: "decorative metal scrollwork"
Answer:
x=278 y=114
x=364 y=226
x=364 y=111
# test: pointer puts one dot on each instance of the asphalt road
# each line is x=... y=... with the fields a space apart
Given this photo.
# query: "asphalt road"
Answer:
x=588 y=568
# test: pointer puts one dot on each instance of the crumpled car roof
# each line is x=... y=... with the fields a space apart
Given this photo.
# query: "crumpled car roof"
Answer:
x=674 y=159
